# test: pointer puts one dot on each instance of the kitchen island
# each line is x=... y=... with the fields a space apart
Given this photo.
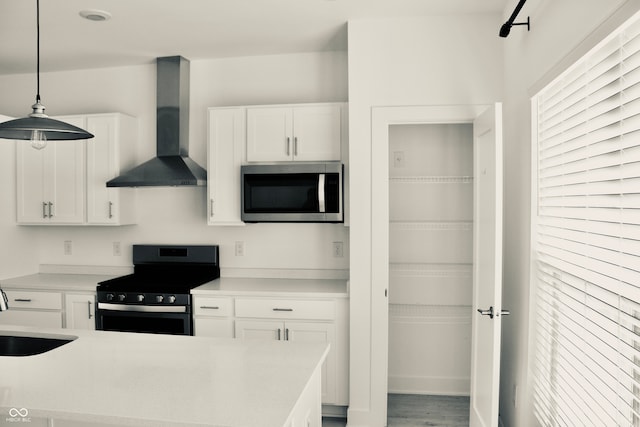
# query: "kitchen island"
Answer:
x=126 y=379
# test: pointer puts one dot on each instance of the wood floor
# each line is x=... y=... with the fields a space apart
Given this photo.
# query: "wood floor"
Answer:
x=407 y=410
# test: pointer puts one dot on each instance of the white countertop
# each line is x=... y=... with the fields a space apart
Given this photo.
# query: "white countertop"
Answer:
x=282 y=287
x=160 y=380
x=56 y=281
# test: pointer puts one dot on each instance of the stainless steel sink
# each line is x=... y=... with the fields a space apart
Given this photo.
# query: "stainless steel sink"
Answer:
x=20 y=344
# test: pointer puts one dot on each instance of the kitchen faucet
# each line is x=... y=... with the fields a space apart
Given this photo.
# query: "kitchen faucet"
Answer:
x=4 y=301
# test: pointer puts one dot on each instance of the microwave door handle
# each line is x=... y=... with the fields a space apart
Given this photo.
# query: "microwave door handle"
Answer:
x=321 y=201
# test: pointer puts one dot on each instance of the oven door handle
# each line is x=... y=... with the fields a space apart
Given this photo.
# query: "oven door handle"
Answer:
x=142 y=308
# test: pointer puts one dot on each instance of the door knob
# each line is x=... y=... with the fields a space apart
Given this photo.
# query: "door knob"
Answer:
x=491 y=313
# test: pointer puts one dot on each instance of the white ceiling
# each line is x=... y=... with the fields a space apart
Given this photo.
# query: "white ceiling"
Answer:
x=141 y=30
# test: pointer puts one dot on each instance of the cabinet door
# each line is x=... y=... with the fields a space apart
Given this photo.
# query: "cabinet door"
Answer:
x=260 y=329
x=317 y=133
x=80 y=311
x=30 y=178
x=102 y=201
x=213 y=327
x=65 y=179
x=318 y=332
x=226 y=150
x=50 y=182
x=269 y=134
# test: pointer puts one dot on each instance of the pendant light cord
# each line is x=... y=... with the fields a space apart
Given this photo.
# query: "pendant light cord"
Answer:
x=38 y=51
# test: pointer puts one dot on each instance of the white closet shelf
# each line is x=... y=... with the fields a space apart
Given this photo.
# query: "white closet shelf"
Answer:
x=432 y=179
x=431 y=225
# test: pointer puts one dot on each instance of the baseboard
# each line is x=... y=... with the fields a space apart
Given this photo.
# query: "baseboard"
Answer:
x=333 y=411
x=442 y=386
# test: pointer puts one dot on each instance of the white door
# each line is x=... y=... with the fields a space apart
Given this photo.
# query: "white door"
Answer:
x=487 y=277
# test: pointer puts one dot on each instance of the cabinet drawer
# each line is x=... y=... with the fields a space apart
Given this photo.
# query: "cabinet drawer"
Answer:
x=212 y=306
x=285 y=309
x=33 y=299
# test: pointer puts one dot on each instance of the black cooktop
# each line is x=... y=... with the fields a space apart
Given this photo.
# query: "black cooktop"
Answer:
x=167 y=269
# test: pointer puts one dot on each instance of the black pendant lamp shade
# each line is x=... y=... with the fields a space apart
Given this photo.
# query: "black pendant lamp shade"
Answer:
x=37 y=127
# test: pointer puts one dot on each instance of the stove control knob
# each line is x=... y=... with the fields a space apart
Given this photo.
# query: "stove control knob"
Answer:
x=172 y=299
x=110 y=297
x=140 y=297
x=121 y=297
x=159 y=298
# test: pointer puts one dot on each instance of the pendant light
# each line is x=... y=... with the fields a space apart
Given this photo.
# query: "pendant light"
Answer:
x=37 y=127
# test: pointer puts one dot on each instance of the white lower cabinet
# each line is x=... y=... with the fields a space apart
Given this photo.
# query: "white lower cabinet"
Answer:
x=212 y=316
x=50 y=309
x=293 y=320
x=33 y=308
x=79 y=311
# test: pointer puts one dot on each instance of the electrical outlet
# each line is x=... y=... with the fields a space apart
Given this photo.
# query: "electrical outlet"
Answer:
x=338 y=249
x=68 y=249
x=239 y=248
x=116 y=249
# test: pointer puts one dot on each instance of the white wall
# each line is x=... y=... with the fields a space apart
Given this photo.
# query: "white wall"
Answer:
x=417 y=61
x=18 y=252
x=560 y=32
x=178 y=215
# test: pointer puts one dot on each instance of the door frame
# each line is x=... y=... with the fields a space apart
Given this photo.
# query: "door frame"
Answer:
x=381 y=119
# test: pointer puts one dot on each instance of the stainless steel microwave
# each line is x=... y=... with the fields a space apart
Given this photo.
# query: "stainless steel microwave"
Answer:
x=293 y=192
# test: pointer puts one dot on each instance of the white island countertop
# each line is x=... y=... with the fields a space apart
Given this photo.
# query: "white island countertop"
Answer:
x=119 y=378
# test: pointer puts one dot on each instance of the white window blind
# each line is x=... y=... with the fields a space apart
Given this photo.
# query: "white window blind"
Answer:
x=586 y=237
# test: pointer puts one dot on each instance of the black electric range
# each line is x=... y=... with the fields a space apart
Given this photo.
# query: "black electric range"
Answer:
x=156 y=297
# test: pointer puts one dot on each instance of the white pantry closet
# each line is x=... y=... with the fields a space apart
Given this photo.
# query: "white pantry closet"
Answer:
x=430 y=258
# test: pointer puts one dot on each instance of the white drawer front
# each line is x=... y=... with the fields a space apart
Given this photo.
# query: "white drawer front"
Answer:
x=33 y=299
x=212 y=306
x=285 y=309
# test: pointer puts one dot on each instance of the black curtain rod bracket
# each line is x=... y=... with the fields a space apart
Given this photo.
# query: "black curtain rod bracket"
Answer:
x=506 y=27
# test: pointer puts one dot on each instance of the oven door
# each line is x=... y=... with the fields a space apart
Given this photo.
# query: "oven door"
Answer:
x=174 y=320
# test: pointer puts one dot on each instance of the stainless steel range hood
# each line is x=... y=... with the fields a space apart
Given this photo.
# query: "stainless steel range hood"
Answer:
x=171 y=166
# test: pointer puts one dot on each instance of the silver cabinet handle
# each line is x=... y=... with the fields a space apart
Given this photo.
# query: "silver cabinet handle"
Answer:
x=50 y=210
x=282 y=309
x=321 y=201
x=44 y=209
x=89 y=309
x=212 y=208
x=209 y=307
x=110 y=209
x=295 y=146
x=22 y=299
x=278 y=334
x=505 y=312
x=288 y=146
x=286 y=334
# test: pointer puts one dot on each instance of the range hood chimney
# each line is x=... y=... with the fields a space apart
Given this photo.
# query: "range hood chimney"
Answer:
x=171 y=166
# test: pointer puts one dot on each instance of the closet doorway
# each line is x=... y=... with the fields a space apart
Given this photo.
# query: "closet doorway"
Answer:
x=417 y=243
x=430 y=270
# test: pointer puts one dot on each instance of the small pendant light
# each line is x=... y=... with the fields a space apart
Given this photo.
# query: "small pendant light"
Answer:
x=37 y=127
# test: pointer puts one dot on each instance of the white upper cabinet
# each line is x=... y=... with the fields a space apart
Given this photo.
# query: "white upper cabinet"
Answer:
x=303 y=132
x=225 y=153
x=111 y=150
x=50 y=183
x=65 y=183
